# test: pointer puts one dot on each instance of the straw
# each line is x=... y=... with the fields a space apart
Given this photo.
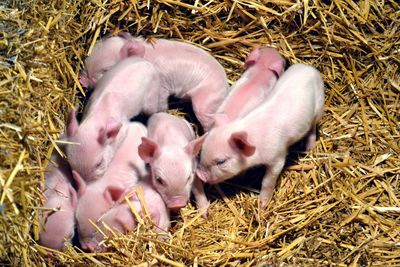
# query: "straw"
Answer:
x=337 y=205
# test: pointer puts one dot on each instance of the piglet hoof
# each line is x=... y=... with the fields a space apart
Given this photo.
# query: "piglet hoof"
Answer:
x=264 y=200
x=205 y=214
x=203 y=207
x=310 y=143
x=310 y=146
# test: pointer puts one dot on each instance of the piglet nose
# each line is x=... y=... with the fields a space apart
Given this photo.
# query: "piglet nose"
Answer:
x=176 y=207
x=86 y=247
x=89 y=246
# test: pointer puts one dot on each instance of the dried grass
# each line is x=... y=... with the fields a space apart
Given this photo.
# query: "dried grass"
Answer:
x=337 y=206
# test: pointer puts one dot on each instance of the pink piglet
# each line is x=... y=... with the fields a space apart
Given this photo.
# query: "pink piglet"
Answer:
x=124 y=172
x=121 y=219
x=264 y=135
x=187 y=71
x=170 y=149
x=263 y=68
x=58 y=224
x=130 y=87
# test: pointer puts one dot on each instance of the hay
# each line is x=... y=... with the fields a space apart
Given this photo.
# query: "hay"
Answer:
x=336 y=206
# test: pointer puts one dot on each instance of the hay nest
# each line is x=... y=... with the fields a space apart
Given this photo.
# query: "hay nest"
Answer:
x=339 y=205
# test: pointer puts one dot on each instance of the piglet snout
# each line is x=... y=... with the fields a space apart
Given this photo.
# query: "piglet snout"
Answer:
x=176 y=205
x=90 y=245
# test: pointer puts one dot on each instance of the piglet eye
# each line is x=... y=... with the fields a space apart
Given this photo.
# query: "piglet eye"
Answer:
x=105 y=70
x=220 y=161
x=98 y=164
x=159 y=180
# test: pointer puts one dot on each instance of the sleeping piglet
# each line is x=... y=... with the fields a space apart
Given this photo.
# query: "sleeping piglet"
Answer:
x=102 y=61
x=124 y=172
x=264 y=135
x=187 y=72
x=130 y=87
x=170 y=149
x=263 y=68
x=121 y=219
x=58 y=226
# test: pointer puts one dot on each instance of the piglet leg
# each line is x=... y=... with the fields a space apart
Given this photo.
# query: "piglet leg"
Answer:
x=200 y=196
x=311 y=137
x=269 y=181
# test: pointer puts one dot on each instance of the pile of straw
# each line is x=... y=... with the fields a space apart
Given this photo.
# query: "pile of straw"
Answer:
x=337 y=206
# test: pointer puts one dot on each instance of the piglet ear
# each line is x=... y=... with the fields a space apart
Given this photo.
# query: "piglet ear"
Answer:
x=125 y=35
x=73 y=196
x=72 y=123
x=201 y=174
x=79 y=182
x=220 y=119
x=132 y=48
x=277 y=67
x=148 y=150
x=194 y=146
x=84 y=79
x=239 y=141
x=252 y=58
x=108 y=134
x=113 y=193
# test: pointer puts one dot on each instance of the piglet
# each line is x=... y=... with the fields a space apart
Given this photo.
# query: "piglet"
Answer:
x=120 y=218
x=264 y=135
x=263 y=68
x=58 y=225
x=103 y=59
x=170 y=149
x=130 y=87
x=187 y=72
x=124 y=172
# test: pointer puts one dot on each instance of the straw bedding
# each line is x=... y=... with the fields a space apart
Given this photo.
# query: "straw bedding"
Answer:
x=336 y=206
